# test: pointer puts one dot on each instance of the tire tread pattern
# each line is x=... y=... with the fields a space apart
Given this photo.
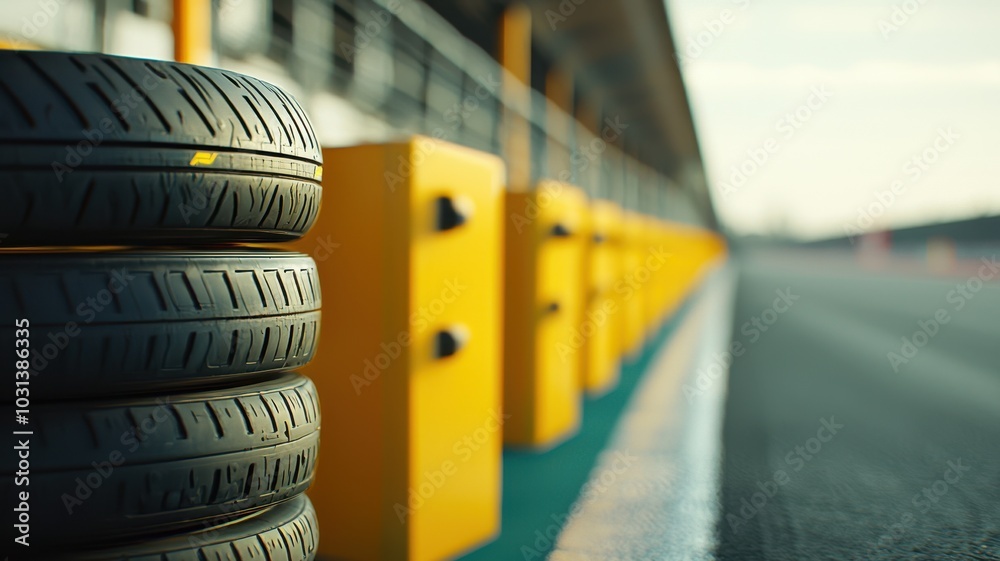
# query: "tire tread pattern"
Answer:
x=143 y=106
x=163 y=464
x=287 y=532
x=180 y=318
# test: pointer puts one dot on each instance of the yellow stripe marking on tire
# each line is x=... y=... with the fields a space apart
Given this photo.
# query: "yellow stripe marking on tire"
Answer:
x=203 y=158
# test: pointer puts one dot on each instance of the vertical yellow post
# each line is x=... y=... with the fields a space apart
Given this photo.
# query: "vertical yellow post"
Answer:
x=543 y=346
x=559 y=88
x=409 y=249
x=651 y=288
x=515 y=57
x=634 y=282
x=604 y=314
x=588 y=114
x=654 y=301
x=192 y=25
x=663 y=304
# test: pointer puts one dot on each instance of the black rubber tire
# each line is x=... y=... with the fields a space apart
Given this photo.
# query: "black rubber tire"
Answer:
x=179 y=319
x=98 y=149
x=111 y=471
x=287 y=532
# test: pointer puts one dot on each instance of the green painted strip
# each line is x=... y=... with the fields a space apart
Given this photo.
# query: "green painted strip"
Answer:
x=539 y=489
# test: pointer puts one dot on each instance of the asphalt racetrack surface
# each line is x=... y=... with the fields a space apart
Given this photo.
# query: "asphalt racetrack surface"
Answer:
x=863 y=413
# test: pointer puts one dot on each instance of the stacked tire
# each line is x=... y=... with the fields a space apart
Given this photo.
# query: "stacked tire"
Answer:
x=152 y=408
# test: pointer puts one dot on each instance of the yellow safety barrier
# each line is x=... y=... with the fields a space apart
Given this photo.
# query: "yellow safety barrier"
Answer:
x=682 y=242
x=602 y=323
x=654 y=287
x=545 y=244
x=408 y=370
x=632 y=290
x=192 y=26
x=664 y=298
x=11 y=44
x=693 y=250
x=672 y=275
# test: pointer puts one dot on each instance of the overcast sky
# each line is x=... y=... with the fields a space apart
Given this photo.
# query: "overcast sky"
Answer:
x=823 y=106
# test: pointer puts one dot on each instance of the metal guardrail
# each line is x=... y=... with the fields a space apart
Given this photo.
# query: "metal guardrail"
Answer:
x=404 y=64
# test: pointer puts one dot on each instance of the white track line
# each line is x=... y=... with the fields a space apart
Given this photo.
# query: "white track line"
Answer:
x=654 y=491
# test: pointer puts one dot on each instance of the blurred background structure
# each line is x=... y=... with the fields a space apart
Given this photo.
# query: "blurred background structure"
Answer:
x=894 y=74
x=372 y=70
